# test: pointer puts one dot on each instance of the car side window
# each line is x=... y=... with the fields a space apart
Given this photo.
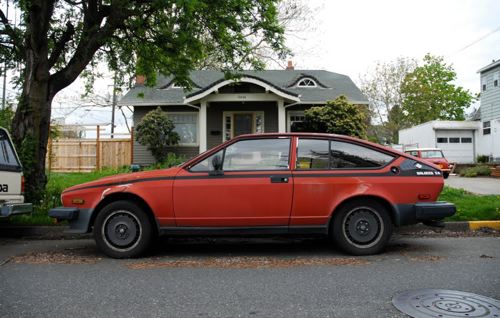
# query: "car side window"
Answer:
x=313 y=154
x=351 y=156
x=206 y=164
x=258 y=154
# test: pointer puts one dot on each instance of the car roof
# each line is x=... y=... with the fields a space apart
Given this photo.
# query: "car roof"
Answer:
x=422 y=149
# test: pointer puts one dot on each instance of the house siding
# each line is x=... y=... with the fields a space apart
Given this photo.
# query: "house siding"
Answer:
x=216 y=109
x=490 y=98
x=142 y=155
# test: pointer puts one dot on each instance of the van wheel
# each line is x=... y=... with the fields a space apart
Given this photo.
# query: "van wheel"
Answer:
x=122 y=230
x=362 y=227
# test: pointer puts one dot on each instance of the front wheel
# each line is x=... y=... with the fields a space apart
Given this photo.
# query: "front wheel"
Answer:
x=446 y=175
x=122 y=230
x=362 y=227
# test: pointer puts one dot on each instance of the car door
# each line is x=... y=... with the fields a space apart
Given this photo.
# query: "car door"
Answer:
x=254 y=187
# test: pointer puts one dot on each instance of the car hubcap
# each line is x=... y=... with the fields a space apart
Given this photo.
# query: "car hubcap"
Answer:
x=363 y=227
x=122 y=230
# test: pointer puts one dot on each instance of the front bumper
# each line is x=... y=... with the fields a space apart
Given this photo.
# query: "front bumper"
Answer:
x=407 y=214
x=78 y=219
x=9 y=209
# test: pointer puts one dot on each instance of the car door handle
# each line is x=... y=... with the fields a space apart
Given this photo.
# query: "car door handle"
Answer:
x=279 y=179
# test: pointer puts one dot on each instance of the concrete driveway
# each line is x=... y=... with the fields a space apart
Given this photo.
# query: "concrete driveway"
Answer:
x=480 y=185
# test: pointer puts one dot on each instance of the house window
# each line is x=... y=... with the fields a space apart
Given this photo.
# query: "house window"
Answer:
x=306 y=82
x=484 y=87
x=495 y=83
x=466 y=140
x=486 y=128
x=295 y=121
x=186 y=125
x=442 y=140
x=454 y=140
x=175 y=85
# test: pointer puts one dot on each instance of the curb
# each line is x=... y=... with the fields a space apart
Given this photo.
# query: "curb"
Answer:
x=478 y=225
x=39 y=232
x=58 y=232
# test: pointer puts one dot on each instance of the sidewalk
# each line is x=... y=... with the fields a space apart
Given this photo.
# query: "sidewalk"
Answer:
x=478 y=185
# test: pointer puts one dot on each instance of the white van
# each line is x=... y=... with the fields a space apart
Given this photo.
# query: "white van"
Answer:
x=11 y=179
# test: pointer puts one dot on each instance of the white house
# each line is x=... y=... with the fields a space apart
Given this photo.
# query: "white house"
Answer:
x=463 y=141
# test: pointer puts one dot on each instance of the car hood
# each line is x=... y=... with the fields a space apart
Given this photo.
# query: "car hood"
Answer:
x=125 y=178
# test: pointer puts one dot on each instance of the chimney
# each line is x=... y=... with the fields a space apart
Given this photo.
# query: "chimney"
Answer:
x=290 y=67
x=140 y=79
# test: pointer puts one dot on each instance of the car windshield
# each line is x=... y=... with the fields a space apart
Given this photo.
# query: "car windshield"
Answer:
x=430 y=154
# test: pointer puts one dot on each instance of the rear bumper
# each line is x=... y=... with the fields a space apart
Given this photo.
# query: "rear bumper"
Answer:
x=407 y=214
x=78 y=219
x=9 y=209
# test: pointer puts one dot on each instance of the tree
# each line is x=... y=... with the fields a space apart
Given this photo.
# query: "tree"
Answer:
x=429 y=94
x=59 y=40
x=6 y=116
x=382 y=87
x=156 y=132
x=336 y=117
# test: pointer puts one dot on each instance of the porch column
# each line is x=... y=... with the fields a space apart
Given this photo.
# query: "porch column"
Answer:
x=281 y=116
x=202 y=116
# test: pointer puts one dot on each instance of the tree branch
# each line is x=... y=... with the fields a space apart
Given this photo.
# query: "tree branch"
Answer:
x=59 y=45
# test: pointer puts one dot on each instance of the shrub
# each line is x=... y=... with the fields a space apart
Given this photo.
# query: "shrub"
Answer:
x=483 y=158
x=156 y=132
x=476 y=171
x=170 y=160
x=336 y=117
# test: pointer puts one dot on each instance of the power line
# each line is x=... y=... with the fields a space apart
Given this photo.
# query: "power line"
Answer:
x=476 y=41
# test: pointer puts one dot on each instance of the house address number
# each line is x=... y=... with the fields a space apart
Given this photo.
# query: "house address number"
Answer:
x=4 y=187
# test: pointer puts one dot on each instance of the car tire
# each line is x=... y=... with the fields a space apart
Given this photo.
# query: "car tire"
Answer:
x=123 y=230
x=362 y=227
x=446 y=175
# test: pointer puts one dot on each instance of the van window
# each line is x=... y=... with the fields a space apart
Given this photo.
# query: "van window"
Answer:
x=8 y=160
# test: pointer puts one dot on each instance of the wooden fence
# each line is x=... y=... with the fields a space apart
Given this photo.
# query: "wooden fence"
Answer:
x=85 y=155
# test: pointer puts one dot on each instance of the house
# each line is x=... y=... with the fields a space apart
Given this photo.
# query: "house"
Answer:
x=463 y=141
x=217 y=109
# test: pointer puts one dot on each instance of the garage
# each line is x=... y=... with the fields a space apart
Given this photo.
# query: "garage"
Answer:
x=457 y=145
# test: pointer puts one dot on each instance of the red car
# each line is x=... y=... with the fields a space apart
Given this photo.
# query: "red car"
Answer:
x=350 y=189
x=435 y=156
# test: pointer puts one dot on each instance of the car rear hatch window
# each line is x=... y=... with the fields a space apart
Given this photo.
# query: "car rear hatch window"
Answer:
x=8 y=158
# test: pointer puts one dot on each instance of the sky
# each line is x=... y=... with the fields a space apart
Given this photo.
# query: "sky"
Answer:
x=349 y=37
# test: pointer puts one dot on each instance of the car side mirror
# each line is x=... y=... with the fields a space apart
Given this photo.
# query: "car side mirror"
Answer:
x=217 y=165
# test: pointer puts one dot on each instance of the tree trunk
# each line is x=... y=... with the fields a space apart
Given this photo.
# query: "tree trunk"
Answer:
x=30 y=130
x=31 y=124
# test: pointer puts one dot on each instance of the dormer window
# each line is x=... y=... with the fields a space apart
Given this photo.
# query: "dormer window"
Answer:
x=306 y=82
x=175 y=85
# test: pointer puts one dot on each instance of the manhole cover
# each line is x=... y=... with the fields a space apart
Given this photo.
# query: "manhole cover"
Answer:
x=441 y=303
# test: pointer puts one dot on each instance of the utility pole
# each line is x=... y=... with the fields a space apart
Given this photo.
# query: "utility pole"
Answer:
x=5 y=64
x=113 y=107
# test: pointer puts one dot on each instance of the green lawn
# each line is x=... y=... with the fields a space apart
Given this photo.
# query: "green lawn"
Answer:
x=472 y=207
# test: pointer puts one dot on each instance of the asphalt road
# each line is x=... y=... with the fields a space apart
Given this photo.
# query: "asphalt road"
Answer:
x=237 y=277
x=479 y=185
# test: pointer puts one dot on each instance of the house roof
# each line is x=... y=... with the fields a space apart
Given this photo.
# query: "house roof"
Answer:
x=488 y=67
x=329 y=86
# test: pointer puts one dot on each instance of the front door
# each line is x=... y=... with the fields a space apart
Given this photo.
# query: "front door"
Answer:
x=254 y=187
x=243 y=124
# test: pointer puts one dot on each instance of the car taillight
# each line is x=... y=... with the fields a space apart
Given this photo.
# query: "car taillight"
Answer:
x=22 y=184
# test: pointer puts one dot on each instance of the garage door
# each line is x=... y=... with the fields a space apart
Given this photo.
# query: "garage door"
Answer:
x=457 y=145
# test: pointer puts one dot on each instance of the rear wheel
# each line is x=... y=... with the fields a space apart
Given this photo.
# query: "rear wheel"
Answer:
x=123 y=230
x=362 y=227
